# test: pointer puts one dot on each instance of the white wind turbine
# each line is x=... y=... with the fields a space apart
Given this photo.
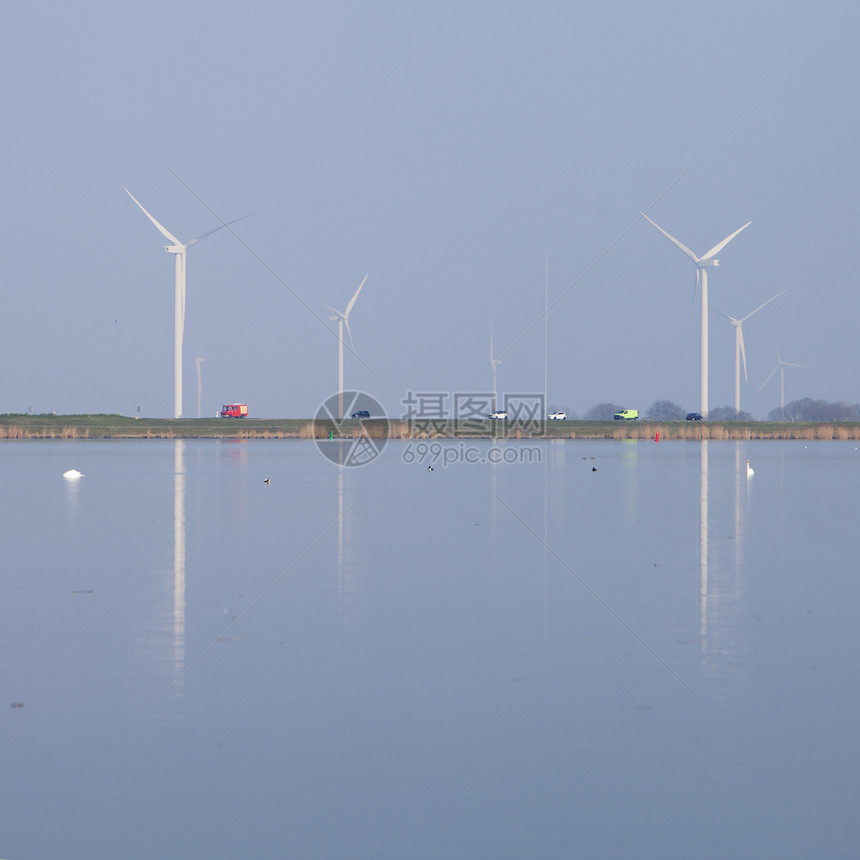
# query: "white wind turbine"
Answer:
x=343 y=320
x=740 y=352
x=703 y=263
x=494 y=363
x=179 y=249
x=197 y=361
x=780 y=366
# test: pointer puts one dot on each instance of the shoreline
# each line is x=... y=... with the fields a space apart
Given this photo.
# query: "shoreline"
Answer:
x=29 y=427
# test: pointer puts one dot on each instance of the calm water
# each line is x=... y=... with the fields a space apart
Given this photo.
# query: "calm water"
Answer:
x=654 y=659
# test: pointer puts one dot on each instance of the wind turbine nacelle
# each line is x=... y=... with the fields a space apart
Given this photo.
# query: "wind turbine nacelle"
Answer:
x=172 y=249
x=708 y=264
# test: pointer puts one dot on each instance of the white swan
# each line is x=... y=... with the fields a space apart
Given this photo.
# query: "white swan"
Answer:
x=73 y=474
x=750 y=470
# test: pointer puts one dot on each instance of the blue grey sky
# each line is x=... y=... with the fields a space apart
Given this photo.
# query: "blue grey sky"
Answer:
x=447 y=149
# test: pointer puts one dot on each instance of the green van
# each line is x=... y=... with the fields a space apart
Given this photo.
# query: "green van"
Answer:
x=627 y=415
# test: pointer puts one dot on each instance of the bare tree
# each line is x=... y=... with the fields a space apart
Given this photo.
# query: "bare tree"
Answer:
x=728 y=413
x=602 y=412
x=807 y=409
x=665 y=410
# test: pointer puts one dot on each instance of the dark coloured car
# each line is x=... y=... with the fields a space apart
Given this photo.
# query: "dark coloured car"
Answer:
x=362 y=413
x=693 y=416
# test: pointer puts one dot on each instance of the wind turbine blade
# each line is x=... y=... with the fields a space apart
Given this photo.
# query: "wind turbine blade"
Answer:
x=672 y=239
x=717 y=248
x=163 y=230
x=352 y=300
x=338 y=314
x=762 y=305
x=770 y=376
x=184 y=288
x=214 y=230
x=743 y=351
x=695 y=293
x=791 y=364
x=351 y=341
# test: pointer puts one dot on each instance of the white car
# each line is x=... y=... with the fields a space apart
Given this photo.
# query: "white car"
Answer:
x=558 y=416
x=499 y=416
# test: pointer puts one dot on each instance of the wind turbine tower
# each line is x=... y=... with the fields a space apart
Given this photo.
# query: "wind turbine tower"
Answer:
x=178 y=249
x=780 y=366
x=494 y=363
x=703 y=263
x=197 y=361
x=740 y=352
x=343 y=320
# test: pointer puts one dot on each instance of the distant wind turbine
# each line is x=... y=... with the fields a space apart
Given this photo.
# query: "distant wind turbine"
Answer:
x=780 y=366
x=179 y=249
x=343 y=320
x=740 y=352
x=198 y=361
x=494 y=363
x=703 y=263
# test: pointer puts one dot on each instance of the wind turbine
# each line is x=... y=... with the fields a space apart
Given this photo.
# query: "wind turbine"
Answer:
x=343 y=320
x=197 y=361
x=494 y=363
x=740 y=352
x=179 y=250
x=780 y=366
x=703 y=263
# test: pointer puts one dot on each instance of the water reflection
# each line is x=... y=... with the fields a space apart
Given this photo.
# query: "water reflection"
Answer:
x=433 y=690
x=742 y=484
x=179 y=556
x=494 y=471
x=350 y=571
x=73 y=494
x=703 y=544
x=340 y=583
x=233 y=464
x=630 y=461
x=558 y=465
x=546 y=545
x=722 y=547
x=554 y=506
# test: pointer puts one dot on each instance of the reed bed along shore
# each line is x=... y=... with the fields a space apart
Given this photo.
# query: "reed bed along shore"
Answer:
x=14 y=427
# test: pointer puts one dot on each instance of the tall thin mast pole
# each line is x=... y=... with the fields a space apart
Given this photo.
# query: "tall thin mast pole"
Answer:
x=546 y=336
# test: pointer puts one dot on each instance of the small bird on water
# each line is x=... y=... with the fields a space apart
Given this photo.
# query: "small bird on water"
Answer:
x=429 y=468
x=267 y=481
x=750 y=470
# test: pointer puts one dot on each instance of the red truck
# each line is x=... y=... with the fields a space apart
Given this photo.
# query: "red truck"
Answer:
x=234 y=410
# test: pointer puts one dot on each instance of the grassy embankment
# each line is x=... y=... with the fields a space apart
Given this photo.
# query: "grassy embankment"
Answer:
x=28 y=426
